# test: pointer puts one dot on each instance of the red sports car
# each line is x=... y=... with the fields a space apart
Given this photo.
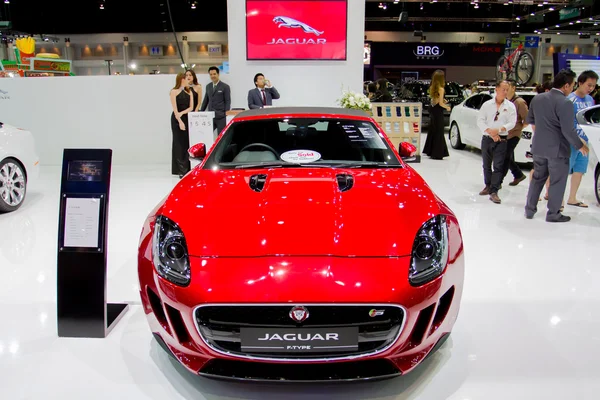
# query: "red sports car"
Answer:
x=302 y=248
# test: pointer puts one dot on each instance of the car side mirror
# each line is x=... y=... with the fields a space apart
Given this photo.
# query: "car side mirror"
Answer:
x=407 y=150
x=197 y=151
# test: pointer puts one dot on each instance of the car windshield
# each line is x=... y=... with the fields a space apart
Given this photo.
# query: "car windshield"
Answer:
x=302 y=142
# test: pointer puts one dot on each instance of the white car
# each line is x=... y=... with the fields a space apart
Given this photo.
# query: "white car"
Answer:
x=19 y=166
x=589 y=120
x=464 y=130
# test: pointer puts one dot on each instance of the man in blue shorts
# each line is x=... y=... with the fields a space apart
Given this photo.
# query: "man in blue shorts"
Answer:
x=578 y=162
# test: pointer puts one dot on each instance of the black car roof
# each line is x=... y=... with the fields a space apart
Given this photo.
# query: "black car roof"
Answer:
x=302 y=110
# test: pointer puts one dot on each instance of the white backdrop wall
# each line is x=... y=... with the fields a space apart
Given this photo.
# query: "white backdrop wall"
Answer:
x=129 y=114
x=300 y=83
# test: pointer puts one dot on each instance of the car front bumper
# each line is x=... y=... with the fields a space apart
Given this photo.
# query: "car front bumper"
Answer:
x=260 y=284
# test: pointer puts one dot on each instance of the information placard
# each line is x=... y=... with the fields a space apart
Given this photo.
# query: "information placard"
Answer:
x=82 y=222
x=201 y=130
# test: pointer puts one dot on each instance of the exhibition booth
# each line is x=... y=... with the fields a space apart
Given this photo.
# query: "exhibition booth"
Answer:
x=130 y=114
x=320 y=260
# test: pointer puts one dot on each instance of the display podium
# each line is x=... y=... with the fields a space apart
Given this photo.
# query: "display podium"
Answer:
x=401 y=122
x=82 y=309
x=201 y=130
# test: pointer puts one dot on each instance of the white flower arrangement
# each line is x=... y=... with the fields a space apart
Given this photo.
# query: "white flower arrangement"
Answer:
x=356 y=101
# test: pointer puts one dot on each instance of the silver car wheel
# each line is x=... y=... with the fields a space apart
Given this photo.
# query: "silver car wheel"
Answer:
x=454 y=135
x=12 y=184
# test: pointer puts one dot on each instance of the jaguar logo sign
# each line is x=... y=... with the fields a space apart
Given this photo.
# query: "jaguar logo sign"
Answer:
x=428 y=52
x=287 y=22
x=296 y=30
x=4 y=95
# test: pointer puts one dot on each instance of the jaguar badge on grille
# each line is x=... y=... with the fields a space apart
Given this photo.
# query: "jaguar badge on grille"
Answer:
x=299 y=314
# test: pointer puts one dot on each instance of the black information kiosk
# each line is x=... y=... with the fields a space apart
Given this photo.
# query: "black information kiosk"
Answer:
x=82 y=310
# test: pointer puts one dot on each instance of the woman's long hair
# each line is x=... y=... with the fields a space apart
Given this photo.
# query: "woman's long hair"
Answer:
x=437 y=82
x=180 y=77
x=191 y=71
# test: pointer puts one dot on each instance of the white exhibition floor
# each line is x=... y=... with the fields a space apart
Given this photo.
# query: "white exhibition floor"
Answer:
x=529 y=326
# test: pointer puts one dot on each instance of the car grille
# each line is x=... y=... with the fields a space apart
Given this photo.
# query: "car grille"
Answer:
x=219 y=326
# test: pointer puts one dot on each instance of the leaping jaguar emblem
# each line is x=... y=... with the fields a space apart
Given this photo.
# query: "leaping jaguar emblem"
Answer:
x=3 y=92
x=287 y=22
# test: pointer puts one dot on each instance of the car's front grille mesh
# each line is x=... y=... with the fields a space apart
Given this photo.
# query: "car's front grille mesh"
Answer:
x=220 y=326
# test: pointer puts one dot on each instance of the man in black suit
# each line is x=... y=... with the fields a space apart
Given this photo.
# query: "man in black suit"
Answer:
x=217 y=99
x=263 y=95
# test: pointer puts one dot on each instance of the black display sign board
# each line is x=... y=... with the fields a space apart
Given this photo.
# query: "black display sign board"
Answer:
x=82 y=309
x=435 y=54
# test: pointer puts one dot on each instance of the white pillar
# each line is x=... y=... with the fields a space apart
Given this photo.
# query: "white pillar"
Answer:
x=125 y=56
x=11 y=52
x=186 y=50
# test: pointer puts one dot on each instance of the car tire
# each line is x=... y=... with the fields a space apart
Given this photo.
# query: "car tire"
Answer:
x=13 y=185
x=597 y=183
x=455 y=140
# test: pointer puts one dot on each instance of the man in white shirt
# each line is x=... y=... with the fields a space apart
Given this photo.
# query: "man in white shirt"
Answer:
x=496 y=117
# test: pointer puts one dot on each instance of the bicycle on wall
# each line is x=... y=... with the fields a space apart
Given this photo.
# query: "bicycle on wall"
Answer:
x=517 y=65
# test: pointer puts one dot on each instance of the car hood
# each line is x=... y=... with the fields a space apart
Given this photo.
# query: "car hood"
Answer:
x=301 y=211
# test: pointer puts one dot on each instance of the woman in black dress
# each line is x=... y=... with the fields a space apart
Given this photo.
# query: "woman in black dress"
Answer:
x=435 y=144
x=192 y=81
x=182 y=102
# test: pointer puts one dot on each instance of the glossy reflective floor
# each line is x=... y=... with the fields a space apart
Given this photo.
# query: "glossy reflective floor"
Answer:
x=528 y=329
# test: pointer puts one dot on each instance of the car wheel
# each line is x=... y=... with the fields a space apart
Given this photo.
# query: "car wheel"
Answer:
x=13 y=185
x=455 y=141
x=598 y=183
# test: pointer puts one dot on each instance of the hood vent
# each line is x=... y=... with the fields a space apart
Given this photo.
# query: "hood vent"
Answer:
x=345 y=182
x=257 y=182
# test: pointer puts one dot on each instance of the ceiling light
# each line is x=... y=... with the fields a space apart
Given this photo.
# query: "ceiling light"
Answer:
x=596 y=24
x=133 y=66
x=532 y=14
x=558 y=26
x=579 y=33
x=551 y=9
x=579 y=21
x=385 y=6
x=545 y=29
x=380 y=5
x=570 y=23
x=421 y=7
x=540 y=5
x=545 y=2
x=558 y=33
x=6 y=1
x=505 y=4
x=476 y=5
x=518 y=18
x=434 y=1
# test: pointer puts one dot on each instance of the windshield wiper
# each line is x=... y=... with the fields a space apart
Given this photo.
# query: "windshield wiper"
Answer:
x=366 y=165
x=262 y=165
x=315 y=165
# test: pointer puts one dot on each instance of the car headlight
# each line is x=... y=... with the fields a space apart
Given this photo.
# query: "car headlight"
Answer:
x=430 y=251
x=169 y=252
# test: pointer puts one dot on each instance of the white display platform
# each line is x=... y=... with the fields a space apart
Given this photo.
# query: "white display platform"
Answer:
x=201 y=130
